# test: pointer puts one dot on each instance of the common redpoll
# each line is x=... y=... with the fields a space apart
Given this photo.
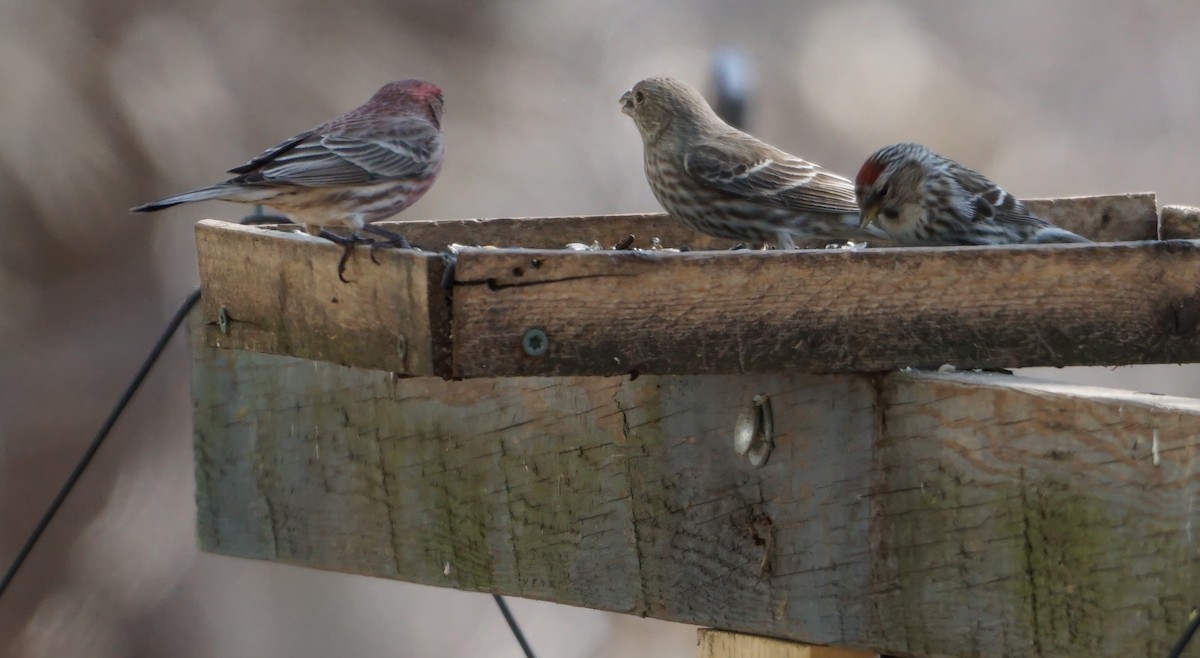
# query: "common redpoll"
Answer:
x=364 y=166
x=721 y=181
x=921 y=198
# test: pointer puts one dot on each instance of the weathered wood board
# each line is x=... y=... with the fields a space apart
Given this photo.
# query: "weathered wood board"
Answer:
x=1109 y=218
x=912 y=514
x=715 y=312
x=557 y=232
x=825 y=311
x=723 y=644
x=1180 y=222
x=279 y=292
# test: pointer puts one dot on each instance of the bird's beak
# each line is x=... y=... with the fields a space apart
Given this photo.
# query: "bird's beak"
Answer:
x=868 y=215
x=627 y=103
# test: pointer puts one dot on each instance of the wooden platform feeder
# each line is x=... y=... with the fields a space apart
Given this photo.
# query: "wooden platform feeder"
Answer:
x=755 y=441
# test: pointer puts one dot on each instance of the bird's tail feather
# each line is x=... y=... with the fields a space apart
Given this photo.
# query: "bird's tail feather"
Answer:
x=218 y=191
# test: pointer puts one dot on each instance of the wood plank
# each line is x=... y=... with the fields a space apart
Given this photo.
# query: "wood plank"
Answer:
x=825 y=310
x=549 y=232
x=1180 y=222
x=557 y=232
x=724 y=644
x=279 y=293
x=911 y=514
x=1111 y=218
x=1115 y=217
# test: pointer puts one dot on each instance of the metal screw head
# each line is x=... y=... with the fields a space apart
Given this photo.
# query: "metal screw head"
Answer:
x=535 y=342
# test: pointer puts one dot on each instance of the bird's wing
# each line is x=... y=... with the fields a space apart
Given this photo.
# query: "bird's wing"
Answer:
x=354 y=153
x=271 y=153
x=757 y=171
x=992 y=202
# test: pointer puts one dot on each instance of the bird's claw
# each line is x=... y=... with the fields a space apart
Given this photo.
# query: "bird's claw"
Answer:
x=348 y=243
x=341 y=268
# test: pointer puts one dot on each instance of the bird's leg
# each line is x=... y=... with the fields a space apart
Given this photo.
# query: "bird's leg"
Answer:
x=393 y=239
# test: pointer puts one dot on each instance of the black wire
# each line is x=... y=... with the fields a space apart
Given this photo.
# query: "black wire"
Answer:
x=111 y=421
x=1177 y=651
x=115 y=414
x=512 y=626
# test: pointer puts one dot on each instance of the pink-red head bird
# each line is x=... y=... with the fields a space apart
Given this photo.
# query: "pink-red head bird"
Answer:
x=362 y=167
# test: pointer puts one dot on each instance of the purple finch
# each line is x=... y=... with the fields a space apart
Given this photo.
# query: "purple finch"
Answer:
x=362 y=167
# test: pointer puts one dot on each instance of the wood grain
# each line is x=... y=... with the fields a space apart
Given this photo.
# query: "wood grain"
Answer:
x=826 y=310
x=723 y=644
x=911 y=514
x=281 y=294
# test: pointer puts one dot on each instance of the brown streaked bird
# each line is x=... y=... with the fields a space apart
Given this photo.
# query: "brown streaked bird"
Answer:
x=921 y=198
x=362 y=167
x=721 y=181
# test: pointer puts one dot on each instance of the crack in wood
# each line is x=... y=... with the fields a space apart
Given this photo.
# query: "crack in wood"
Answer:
x=1031 y=571
x=388 y=504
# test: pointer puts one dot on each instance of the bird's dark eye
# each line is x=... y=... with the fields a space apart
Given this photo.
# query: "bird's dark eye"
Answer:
x=639 y=97
x=891 y=213
x=883 y=190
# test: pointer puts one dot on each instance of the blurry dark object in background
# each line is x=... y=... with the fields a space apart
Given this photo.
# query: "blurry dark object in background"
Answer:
x=732 y=80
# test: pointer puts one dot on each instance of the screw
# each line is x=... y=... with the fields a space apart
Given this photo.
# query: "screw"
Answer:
x=535 y=342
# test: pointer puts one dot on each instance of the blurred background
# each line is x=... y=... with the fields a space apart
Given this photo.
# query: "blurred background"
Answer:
x=112 y=103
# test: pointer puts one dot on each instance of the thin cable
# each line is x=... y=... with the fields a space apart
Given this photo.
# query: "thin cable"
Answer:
x=1177 y=651
x=111 y=421
x=113 y=416
x=513 y=626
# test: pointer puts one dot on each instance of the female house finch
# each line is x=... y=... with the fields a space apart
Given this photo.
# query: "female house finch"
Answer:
x=721 y=181
x=922 y=198
x=361 y=167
